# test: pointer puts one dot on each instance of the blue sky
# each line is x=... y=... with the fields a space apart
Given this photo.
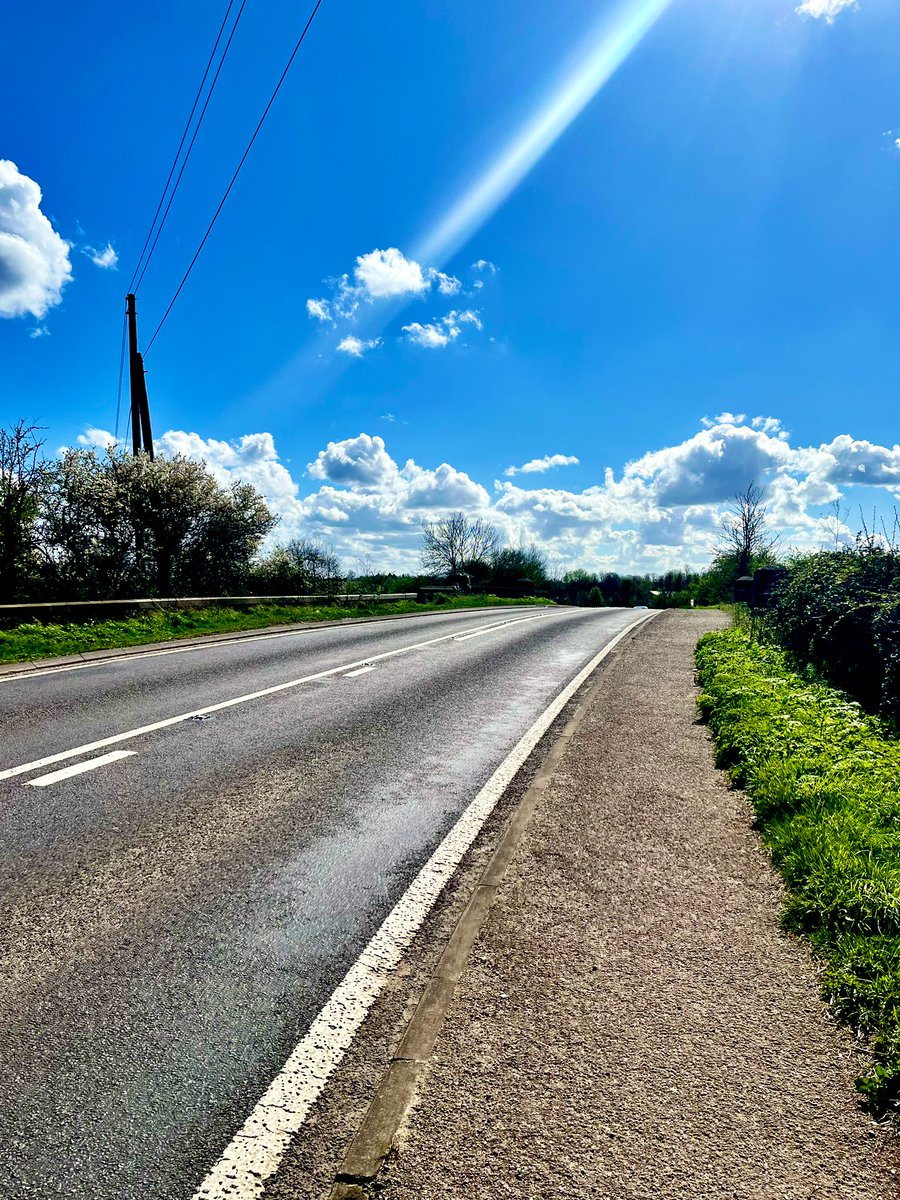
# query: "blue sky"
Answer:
x=707 y=237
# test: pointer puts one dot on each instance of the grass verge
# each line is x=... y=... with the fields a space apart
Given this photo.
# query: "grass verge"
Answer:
x=824 y=779
x=25 y=643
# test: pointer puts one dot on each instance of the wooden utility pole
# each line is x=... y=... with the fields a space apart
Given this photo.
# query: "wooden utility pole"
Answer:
x=141 y=433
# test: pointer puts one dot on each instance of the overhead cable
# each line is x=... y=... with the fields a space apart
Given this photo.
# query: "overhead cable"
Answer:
x=162 y=199
x=121 y=373
x=237 y=172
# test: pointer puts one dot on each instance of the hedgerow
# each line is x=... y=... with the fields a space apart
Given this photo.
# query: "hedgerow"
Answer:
x=838 y=614
x=824 y=779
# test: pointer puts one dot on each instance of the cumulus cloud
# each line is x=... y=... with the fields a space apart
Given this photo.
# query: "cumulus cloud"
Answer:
x=829 y=9
x=252 y=459
x=362 y=461
x=34 y=259
x=547 y=463
x=384 y=274
x=98 y=439
x=443 y=331
x=660 y=510
x=357 y=346
x=484 y=266
x=107 y=258
x=388 y=275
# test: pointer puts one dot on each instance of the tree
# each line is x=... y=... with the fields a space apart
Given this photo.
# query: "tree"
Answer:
x=513 y=565
x=21 y=478
x=454 y=541
x=300 y=567
x=123 y=525
x=743 y=535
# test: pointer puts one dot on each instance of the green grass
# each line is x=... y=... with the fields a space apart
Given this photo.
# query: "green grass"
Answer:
x=25 y=643
x=824 y=779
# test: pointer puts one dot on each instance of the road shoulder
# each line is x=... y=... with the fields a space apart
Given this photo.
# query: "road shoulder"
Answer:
x=632 y=1020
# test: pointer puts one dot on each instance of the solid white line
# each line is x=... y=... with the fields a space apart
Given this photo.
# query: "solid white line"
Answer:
x=77 y=751
x=79 y=768
x=464 y=637
x=358 y=671
x=257 y=1148
x=235 y=641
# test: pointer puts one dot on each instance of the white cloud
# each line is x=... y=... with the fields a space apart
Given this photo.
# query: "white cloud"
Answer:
x=39 y=331
x=388 y=274
x=483 y=265
x=447 y=285
x=108 y=259
x=34 y=259
x=362 y=460
x=384 y=274
x=660 y=510
x=98 y=439
x=357 y=346
x=441 y=332
x=250 y=459
x=828 y=9
x=547 y=463
x=429 y=336
x=319 y=309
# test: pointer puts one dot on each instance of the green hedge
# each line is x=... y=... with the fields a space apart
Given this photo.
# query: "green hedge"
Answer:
x=838 y=613
x=825 y=783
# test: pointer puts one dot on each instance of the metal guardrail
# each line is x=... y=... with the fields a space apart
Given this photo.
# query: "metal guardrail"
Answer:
x=100 y=610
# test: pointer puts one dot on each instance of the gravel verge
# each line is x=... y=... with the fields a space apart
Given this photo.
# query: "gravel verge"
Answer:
x=633 y=1022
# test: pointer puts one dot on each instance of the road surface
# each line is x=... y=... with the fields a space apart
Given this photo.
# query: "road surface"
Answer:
x=174 y=917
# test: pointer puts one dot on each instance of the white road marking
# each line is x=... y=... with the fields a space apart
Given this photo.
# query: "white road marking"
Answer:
x=79 y=768
x=358 y=671
x=464 y=637
x=236 y=641
x=101 y=743
x=255 y=1152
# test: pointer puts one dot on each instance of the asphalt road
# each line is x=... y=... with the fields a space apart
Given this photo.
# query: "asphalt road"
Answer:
x=173 y=920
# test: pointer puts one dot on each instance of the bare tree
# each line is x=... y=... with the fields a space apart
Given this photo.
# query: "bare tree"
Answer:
x=743 y=535
x=21 y=477
x=454 y=541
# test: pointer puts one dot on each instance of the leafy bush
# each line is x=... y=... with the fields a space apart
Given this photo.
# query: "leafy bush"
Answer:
x=825 y=782
x=838 y=613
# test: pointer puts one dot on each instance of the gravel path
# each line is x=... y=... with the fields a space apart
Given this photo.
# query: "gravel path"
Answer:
x=633 y=1023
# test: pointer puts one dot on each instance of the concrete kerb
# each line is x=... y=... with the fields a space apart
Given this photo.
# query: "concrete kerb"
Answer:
x=239 y=635
x=395 y=1095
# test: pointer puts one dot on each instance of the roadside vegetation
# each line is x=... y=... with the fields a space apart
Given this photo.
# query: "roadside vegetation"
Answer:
x=35 y=640
x=824 y=778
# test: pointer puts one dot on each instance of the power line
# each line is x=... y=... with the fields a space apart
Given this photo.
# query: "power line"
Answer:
x=237 y=172
x=181 y=145
x=193 y=139
x=121 y=372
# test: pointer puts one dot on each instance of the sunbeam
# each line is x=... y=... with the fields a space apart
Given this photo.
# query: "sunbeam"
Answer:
x=608 y=47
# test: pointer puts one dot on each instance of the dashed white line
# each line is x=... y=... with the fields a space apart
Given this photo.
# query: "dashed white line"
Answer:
x=27 y=673
x=80 y=768
x=255 y=1152
x=128 y=735
x=358 y=671
x=464 y=637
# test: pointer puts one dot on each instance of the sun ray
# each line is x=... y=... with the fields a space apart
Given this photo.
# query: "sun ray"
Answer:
x=607 y=48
